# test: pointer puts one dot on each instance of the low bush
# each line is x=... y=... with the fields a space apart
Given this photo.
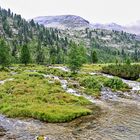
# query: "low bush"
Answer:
x=90 y=82
x=131 y=72
x=91 y=85
x=57 y=72
x=115 y=84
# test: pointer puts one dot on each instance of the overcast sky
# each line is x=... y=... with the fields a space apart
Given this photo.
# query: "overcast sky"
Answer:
x=96 y=11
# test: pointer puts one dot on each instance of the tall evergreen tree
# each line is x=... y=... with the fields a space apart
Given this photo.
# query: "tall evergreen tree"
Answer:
x=94 y=58
x=53 y=54
x=75 y=58
x=40 y=55
x=83 y=53
x=5 y=58
x=25 y=55
x=32 y=23
x=136 y=55
x=60 y=56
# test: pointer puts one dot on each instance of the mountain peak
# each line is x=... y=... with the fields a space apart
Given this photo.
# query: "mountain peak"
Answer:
x=63 y=21
x=76 y=22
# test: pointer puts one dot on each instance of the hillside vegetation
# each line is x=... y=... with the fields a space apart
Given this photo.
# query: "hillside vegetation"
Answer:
x=110 y=46
x=46 y=42
x=51 y=45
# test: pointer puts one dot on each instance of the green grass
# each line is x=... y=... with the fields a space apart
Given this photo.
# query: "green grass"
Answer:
x=93 y=83
x=116 y=84
x=57 y=72
x=92 y=67
x=30 y=95
x=4 y=75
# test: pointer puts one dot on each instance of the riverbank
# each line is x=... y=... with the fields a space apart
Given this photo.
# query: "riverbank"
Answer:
x=117 y=120
x=102 y=115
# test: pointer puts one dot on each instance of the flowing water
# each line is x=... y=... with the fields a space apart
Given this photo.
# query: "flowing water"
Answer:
x=119 y=119
x=133 y=84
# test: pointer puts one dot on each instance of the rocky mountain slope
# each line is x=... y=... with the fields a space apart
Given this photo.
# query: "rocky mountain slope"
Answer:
x=63 y=21
x=110 y=26
x=76 y=22
x=109 y=45
x=111 y=41
x=134 y=28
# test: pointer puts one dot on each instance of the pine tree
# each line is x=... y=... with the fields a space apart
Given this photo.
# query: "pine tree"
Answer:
x=136 y=55
x=60 y=56
x=83 y=53
x=53 y=54
x=94 y=58
x=25 y=55
x=5 y=58
x=128 y=61
x=32 y=23
x=75 y=59
x=40 y=55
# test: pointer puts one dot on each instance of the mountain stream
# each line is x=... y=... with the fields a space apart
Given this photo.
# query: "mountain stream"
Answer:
x=119 y=119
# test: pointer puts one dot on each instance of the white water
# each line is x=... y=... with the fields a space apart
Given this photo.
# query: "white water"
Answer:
x=133 y=84
x=61 y=68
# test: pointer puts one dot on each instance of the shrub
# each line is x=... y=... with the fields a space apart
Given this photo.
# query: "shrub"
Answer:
x=125 y=71
x=90 y=82
x=91 y=85
x=35 y=74
x=56 y=72
x=115 y=83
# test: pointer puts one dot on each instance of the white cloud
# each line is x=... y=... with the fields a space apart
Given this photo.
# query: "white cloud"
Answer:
x=103 y=11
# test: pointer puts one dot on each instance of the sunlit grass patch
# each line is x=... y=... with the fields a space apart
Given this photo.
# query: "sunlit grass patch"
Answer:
x=4 y=75
x=92 y=67
x=31 y=95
